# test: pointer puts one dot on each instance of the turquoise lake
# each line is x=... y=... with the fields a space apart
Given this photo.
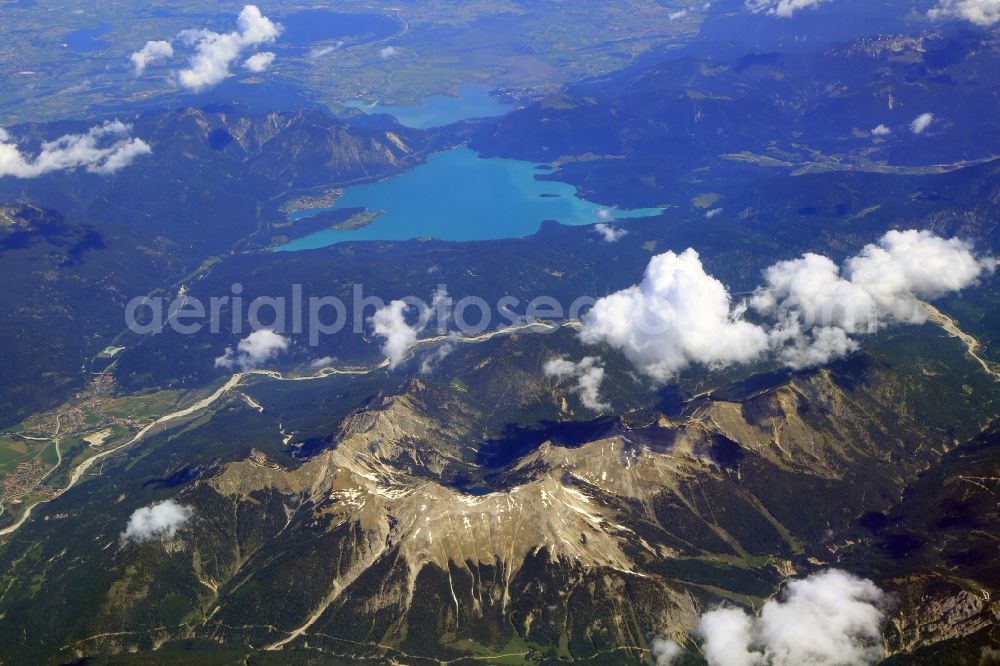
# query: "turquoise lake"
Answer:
x=457 y=195
x=473 y=101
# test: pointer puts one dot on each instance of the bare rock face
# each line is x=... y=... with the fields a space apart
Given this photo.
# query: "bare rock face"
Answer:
x=404 y=535
x=302 y=149
x=636 y=507
x=932 y=610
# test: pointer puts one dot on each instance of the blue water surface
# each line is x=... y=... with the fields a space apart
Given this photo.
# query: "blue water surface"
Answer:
x=459 y=196
x=473 y=101
x=86 y=40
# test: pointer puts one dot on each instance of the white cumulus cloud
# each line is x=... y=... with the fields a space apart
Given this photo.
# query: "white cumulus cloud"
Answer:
x=150 y=54
x=665 y=651
x=156 y=521
x=727 y=634
x=430 y=362
x=831 y=618
x=677 y=315
x=799 y=349
x=906 y=265
x=881 y=130
x=817 y=306
x=609 y=233
x=215 y=52
x=388 y=52
x=389 y=323
x=254 y=350
x=320 y=51
x=103 y=149
x=980 y=12
x=810 y=309
x=781 y=8
x=589 y=374
x=807 y=287
x=259 y=62
x=322 y=362
x=921 y=123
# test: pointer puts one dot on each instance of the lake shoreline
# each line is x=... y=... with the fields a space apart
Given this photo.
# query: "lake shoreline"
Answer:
x=458 y=195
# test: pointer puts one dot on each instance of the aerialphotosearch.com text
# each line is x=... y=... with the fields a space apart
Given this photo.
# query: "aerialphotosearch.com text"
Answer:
x=319 y=316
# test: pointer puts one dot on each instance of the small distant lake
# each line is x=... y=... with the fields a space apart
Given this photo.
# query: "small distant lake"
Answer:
x=473 y=101
x=305 y=27
x=86 y=40
x=457 y=195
